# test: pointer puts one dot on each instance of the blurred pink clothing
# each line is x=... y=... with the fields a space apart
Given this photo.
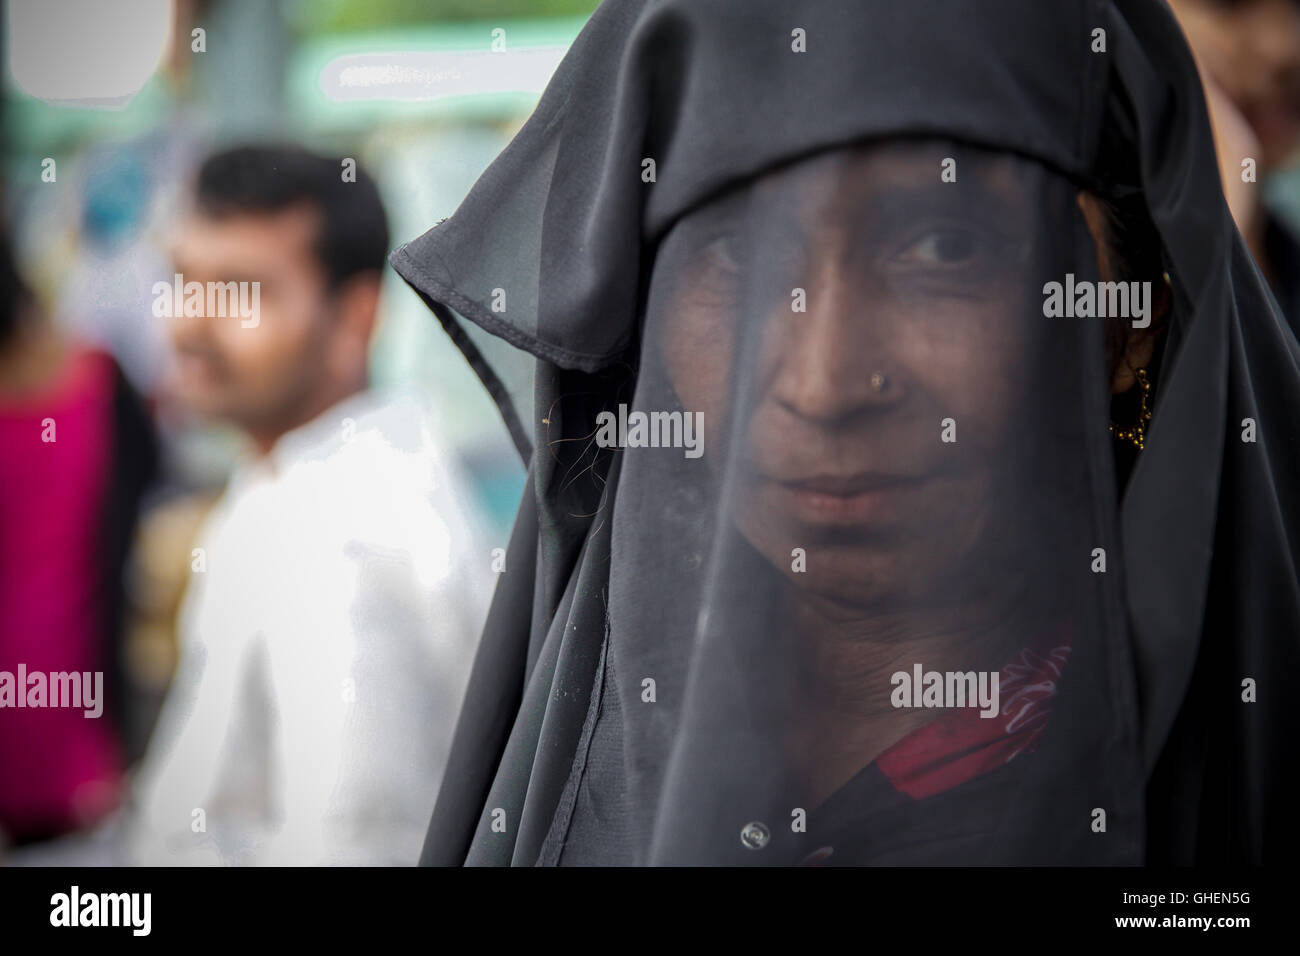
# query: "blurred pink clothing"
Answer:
x=57 y=765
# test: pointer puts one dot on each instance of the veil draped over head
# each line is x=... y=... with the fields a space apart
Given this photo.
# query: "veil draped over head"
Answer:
x=822 y=555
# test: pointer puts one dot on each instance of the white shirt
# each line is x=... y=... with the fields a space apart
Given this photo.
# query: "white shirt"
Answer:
x=325 y=645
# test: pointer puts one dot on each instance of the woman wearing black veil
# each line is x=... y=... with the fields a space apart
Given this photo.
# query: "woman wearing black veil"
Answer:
x=951 y=512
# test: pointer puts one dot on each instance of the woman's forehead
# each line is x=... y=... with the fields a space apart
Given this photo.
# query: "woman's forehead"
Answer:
x=849 y=182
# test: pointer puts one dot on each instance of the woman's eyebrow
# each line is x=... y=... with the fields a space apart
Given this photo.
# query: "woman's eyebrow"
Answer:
x=893 y=204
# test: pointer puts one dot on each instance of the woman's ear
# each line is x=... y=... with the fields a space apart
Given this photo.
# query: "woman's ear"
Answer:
x=1139 y=343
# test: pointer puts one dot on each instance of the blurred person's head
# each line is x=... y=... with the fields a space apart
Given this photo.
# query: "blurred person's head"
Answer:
x=315 y=242
x=1251 y=48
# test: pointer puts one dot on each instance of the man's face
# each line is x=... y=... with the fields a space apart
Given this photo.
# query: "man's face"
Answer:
x=1252 y=50
x=253 y=375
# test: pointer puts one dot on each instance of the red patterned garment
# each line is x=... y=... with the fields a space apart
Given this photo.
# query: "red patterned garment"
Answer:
x=962 y=745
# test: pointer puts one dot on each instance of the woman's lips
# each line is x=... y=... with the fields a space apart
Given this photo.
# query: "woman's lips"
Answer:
x=854 y=499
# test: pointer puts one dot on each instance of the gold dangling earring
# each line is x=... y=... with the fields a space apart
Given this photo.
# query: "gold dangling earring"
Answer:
x=1137 y=434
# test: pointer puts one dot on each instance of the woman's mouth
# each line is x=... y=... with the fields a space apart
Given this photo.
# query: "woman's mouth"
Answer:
x=848 y=499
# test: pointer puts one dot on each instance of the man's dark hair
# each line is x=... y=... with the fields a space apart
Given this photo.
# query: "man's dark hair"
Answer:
x=353 y=236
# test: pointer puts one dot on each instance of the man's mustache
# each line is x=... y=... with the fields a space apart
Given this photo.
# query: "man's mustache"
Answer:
x=211 y=357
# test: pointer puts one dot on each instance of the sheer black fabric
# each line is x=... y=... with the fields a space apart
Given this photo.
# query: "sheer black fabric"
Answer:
x=821 y=557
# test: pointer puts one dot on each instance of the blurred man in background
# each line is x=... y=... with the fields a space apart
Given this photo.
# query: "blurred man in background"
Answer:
x=338 y=584
x=1249 y=55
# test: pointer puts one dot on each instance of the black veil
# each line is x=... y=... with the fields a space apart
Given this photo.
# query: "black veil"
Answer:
x=817 y=460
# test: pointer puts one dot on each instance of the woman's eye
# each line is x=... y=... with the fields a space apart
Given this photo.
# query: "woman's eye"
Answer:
x=721 y=254
x=712 y=271
x=941 y=248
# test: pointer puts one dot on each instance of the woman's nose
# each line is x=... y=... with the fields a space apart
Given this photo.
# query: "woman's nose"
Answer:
x=835 y=361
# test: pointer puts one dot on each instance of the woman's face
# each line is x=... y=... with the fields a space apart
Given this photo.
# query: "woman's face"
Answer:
x=919 y=300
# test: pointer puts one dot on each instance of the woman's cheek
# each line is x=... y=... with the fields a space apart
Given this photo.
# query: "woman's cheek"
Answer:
x=698 y=346
x=970 y=373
